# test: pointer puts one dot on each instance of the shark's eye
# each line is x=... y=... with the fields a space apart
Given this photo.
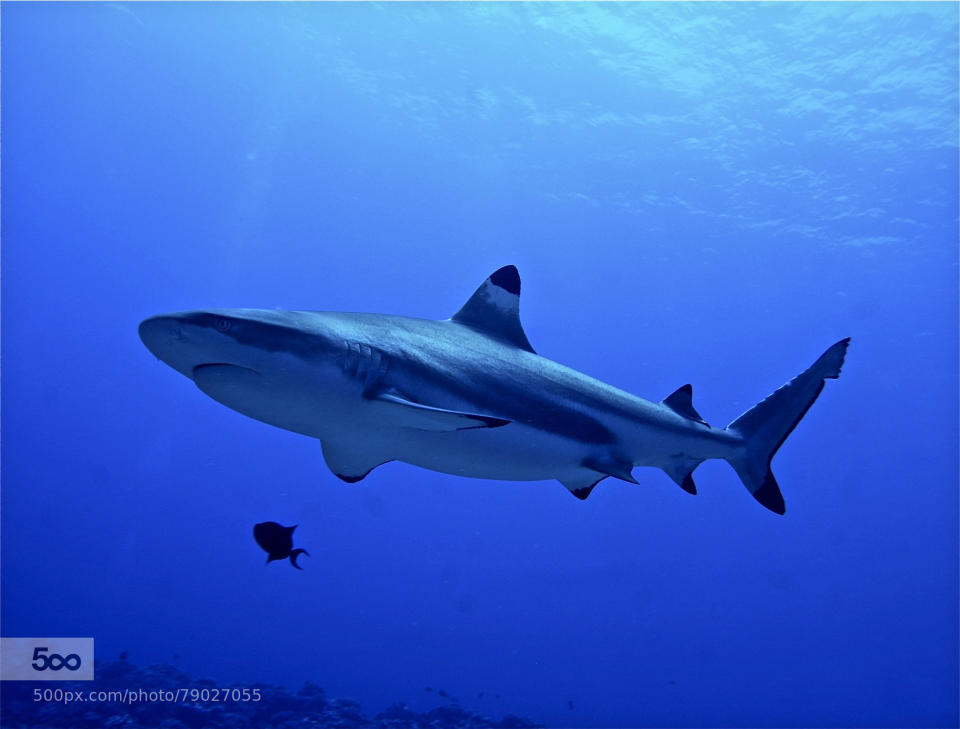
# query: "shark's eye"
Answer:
x=223 y=325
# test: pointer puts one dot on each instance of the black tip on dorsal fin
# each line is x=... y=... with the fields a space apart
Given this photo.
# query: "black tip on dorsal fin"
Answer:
x=681 y=402
x=507 y=278
x=494 y=308
x=688 y=485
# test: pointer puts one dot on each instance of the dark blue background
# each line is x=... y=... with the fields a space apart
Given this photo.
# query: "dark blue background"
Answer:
x=693 y=193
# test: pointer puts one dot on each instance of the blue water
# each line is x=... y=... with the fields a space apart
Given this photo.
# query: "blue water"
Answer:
x=702 y=193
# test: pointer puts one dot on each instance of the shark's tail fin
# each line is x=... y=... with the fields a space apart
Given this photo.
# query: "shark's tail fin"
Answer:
x=765 y=426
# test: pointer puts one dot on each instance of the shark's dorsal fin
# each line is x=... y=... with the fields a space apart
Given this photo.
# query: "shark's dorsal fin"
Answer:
x=494 y=308
x=681 y=402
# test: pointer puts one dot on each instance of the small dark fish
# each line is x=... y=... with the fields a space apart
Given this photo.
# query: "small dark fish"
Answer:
x=123 y=656
x=442 y=693
x=277 y=542
x=570 y=704
x=480 y=695
x=428 y=689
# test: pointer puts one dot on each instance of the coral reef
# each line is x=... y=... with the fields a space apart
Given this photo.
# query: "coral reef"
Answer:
x=60 y=705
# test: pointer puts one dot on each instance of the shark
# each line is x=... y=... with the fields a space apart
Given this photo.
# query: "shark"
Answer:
x=466 y=396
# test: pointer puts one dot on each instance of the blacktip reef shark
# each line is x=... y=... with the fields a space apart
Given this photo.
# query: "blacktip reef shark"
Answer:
x=466 y=396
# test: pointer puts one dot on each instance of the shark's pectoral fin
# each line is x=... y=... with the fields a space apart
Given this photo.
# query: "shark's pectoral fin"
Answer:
x=348 y=464
x=401 y=411
x=680 y=469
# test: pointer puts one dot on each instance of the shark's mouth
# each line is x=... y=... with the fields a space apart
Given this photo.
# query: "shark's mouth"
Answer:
x=227 y=383
x=222 y=368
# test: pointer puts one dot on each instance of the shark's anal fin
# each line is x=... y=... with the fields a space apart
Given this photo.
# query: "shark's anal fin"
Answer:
x=680 y=469
x=681 y=402
x=494 y=308
x=347 y=464
x=406 y=413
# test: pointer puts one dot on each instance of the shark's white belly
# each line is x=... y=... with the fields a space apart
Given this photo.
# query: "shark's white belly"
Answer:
x=514 y=452
x=511 y=453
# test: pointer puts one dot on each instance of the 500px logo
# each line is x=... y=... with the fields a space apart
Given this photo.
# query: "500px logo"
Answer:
x=59 y=695
x=46 y=659
x=54 y=661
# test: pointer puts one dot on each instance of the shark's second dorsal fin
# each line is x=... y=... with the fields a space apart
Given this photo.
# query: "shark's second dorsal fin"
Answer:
x=494 y=308
x=681 y=402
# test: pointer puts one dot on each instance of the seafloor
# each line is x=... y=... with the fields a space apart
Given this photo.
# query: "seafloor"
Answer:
x=278 y=708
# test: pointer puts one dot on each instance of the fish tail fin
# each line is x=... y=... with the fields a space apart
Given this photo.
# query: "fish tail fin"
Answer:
x=296 y=553
x=766 y=426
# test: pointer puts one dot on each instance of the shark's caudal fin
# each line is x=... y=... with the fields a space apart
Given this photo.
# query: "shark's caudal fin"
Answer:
x=765 y=426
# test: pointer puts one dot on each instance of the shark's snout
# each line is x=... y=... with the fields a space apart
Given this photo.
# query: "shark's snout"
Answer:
x=158 y=333
x=169 y=339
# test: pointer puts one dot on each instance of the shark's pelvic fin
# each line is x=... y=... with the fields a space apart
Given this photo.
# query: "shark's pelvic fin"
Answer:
x=611 y=467
x=494 y=308
x=581 y=483
x=681 y=402
x=409 y=414
x=348 y=464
